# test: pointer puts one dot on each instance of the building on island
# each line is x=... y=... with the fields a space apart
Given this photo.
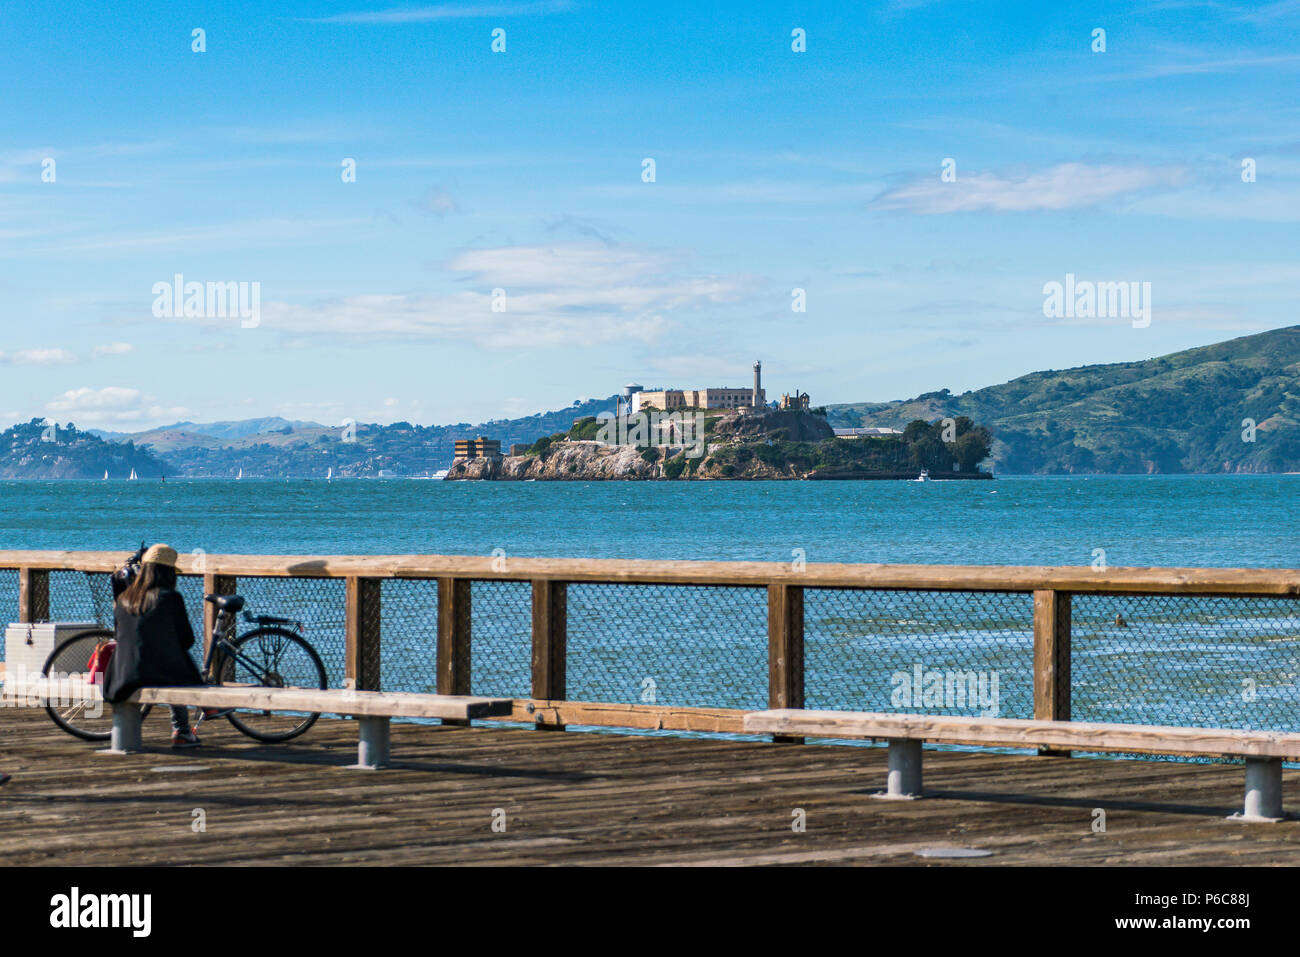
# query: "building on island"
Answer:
x=479 y=448
x=797 y=401
x=519 y=448
x=865 y=433
x=637 y=398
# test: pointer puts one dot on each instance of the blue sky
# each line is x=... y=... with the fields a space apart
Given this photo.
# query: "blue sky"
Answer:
x=522 y=171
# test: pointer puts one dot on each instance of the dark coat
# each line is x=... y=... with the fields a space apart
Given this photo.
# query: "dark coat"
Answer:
x=152 y=649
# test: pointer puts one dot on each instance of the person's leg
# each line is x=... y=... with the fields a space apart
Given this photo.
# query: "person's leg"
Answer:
x=180 y=718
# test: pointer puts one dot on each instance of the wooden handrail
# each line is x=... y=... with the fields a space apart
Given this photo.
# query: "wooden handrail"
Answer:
x=1081 y=579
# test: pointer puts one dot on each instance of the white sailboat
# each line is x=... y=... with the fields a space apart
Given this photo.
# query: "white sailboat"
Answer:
x=330 y=474
x=133 y=475
x=241 y=474
x=105 y=478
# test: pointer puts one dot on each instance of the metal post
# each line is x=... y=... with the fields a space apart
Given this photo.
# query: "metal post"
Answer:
x=372 y=744
x=125 y=737
x=1263 y=791
x=904 y=770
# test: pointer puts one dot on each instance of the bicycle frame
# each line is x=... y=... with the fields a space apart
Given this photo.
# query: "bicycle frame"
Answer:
x=223 y=629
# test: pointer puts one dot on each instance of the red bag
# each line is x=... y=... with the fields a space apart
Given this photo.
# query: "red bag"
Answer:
x=99 y=659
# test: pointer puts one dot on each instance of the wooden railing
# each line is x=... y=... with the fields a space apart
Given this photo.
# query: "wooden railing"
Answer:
x=785 y=584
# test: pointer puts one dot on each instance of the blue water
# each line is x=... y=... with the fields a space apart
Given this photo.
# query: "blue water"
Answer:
x=1228 y=521
x=1199 y=661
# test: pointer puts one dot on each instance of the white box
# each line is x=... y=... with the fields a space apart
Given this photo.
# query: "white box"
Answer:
x=27 y=646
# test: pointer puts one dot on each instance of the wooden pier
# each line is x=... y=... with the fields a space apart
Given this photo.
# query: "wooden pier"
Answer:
x=599 y=798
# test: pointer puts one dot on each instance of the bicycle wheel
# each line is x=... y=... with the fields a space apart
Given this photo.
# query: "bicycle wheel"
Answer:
x=89 y=720
x=283 y=660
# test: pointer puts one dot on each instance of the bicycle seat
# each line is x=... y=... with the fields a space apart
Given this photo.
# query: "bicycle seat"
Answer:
x=230 y=603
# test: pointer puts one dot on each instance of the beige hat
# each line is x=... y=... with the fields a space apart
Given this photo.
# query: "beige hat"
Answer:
x=160 y=555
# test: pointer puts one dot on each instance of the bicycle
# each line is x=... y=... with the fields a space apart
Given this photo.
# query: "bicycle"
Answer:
x=270 y=656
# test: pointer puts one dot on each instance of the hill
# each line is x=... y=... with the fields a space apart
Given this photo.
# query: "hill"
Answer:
x=37 y=451
x=1183 y=412
x=278 y=448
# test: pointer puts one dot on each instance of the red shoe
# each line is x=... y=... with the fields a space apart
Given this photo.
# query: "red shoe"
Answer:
x=185 y=739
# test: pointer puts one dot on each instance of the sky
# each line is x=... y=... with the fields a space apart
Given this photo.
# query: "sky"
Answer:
x=503 y=247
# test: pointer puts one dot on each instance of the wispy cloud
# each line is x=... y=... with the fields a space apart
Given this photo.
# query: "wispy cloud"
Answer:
x=111 y=405
x=1064 y=186
x=446 y=12
x=563 y=294
x=37 y=357
x=114 y=349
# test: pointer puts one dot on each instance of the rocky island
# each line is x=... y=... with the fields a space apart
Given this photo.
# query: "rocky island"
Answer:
x=737 y=444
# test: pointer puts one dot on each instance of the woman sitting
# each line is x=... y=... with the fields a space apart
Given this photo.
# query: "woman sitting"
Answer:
x=153 y=639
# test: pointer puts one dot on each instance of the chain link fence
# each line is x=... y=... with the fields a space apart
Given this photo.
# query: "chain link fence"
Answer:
x=409 y=607
x=8 y=601
x=1192 y=661
x=919 y=652
x=501 y=624
x=685 y=645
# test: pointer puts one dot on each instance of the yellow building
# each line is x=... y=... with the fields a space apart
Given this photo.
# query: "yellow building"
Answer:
x=481 y=447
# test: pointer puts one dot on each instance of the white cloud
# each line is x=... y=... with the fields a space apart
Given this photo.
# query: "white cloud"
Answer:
x=559 y=294
x=1064 y=186
x=37 y=357
x=112 y=405
x=114 y=349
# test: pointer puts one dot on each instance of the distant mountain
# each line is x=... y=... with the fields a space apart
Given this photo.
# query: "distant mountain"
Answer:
x=275 y=447
x=1188 y=411
x=38 y=451
x=235 y=429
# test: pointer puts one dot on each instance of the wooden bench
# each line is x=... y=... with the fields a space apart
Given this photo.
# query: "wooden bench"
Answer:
x=372 y=709
x=1264 y=751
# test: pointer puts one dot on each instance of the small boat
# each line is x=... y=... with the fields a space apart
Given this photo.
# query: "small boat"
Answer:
x=105 y=478
x=240 y=475
x=441 y=473
x=133 y=475
x=329 y=476
x=923 y=477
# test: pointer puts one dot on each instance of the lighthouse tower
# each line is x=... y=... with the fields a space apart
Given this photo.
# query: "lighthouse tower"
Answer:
x=757 y=400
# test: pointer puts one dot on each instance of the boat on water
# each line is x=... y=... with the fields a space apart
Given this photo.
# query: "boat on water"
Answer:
x=923 y=477
x=329 y=475
x=441 y=473
x=133 y=475
x=240 y=475
x=105 y=478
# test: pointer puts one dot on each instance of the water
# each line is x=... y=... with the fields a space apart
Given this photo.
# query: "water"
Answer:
x=1192 y=661
x=1230 y=521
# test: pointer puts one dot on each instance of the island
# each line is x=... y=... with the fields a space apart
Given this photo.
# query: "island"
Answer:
x=737 y=444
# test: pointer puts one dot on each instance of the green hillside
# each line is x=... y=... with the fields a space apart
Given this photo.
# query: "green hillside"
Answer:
x=1182 y=412
x=37 y=451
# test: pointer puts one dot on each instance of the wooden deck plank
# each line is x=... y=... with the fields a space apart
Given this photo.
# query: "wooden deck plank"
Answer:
x=581 y=798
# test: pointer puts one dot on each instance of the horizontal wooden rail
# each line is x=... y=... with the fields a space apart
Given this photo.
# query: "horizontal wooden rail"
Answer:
x=1082 y=579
